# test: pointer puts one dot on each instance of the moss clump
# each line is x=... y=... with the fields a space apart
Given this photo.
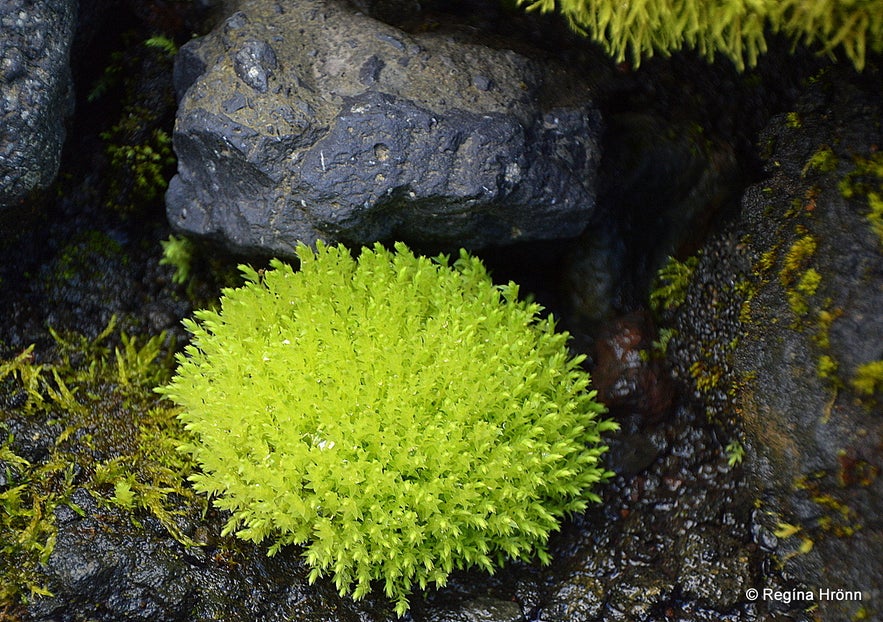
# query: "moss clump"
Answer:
x=141 y=167
x=798 y=255
x=827 y=368
x=806 y=287
x=177 y=253
x=135 y=95
x=868 y=379
x=672 y=280
x=735 y=28
x=822 y=161
x=398 y=417
x=97 y=425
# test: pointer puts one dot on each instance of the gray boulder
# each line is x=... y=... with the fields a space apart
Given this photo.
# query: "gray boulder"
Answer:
x=311 y=121
x=35 y=92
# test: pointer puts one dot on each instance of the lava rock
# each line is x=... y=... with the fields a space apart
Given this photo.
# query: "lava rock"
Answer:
x=312 y=121
x=36 y=93
x=781 y=314
x=676 y=550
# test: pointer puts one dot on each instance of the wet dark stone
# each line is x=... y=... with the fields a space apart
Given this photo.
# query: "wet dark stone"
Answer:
x=429 y=140
x=772 y=359
x=36 y=93
x=626 y=372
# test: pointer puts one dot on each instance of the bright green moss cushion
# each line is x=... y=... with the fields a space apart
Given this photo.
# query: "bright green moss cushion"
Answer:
x=735 y=28
x=397 y=416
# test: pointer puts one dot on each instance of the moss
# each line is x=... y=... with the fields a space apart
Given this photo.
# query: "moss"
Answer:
x=141 y=167
x=826 y=318
x=834 y=517
x=80 y=257
x=706 y=377
x=136 y=136
x=398 y=417
x=800 y=281
x=806 y=287
x=766 y=262
x=735 y=28
x=103 y=429
x=178 y=253
x=672 y=280
x=822 y=161
x=735 y=453
x=827 y=368
x=866 y=180
x=795 y=260
x=793 y=121
x=868 y=379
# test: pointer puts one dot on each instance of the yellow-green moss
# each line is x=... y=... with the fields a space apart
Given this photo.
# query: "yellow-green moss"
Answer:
x=706 y=377
x=822 y=161
x=734 y=28
x=670 y=287
x=178 y=253
x=799 y=281
x=805 y=288
x=113 y=436
x=827 y=367
x=868 y=379
x=866 y=180
x=826 y=318
x=796 y=258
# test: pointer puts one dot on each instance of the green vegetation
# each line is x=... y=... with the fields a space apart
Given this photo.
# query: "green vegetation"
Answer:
x=735 y=28
x=104 y=430
x=141 y=170
x=822 y=161
x=805 y=288
x=868 y=379
x=163 y=43
x=398 y=417
x=735 y=453
x=178 y=253
x=866 y=179
x=135 y=94
x=670 y=287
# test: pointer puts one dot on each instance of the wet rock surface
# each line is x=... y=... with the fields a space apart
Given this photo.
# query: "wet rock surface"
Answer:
x=35 y=93
x=681 y=534
x=782 y=313
x=342 y=128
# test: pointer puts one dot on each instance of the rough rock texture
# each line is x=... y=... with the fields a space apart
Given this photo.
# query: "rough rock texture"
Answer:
x=35 y=92
x=308 y=120
x=664 y=185
x=780 y=317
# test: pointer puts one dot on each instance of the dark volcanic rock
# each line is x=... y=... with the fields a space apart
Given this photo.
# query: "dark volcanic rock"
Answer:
x=781 y=317
x=314 y=122
x=35 y=92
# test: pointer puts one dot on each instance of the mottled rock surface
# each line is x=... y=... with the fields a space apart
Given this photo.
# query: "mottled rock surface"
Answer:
x=35 y=92
x=780 y=319
x=311 y=121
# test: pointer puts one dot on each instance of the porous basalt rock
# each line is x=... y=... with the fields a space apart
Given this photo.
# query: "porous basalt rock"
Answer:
x=35 y=93
x=311 y=121
x=780 y=315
